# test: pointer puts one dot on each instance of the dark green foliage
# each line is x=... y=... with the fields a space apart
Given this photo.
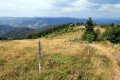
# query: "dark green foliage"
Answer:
x=18 y=33
x=6 y=28
x=81 y=23
x=89 y=34
x=51 y=30
x=102 y=36
x=113 y=34
x=96 y=34
x=90 y=37
x=112 y=24
x=77 y=24
x=84 y=36
x=89 y=26
x=107 y=26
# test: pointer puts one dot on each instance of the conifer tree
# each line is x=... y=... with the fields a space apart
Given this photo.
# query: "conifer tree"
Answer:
x=89 y=26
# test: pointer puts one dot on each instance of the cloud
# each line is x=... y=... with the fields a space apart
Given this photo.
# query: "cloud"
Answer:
x=58 y=8
x=110 y=7
x=79 y=5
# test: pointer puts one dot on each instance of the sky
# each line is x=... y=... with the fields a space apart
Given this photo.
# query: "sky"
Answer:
x=60 y=8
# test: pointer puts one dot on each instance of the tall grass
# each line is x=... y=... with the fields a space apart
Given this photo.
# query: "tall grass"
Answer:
x=21 y=61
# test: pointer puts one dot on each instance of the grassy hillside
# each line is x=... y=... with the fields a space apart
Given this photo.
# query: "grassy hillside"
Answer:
x=5 y=28
x=18 y=33
x=19 y=59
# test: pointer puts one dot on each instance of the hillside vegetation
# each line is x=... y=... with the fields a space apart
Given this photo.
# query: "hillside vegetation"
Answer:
x=18 y=33
x=5 y=28
x=19 y=58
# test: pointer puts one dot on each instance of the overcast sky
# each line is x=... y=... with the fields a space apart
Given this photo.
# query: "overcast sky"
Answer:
x=60 y=8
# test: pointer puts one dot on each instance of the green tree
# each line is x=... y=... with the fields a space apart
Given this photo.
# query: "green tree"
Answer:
x=77 y=24
x=90 y=37
x=112 y=24
x=96 y=33
x=81 y=23
x=113 y=34
x=89 y=26
x=89 y=33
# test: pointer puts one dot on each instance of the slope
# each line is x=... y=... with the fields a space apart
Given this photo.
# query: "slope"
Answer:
x=6 y=28
x=19 y=59
x=18 y=33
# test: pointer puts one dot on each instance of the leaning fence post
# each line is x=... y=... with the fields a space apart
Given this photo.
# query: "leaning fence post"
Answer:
x=88 y=48
x=40 y=69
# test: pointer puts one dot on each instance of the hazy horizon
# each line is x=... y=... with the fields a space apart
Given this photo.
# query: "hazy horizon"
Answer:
x=101 y=18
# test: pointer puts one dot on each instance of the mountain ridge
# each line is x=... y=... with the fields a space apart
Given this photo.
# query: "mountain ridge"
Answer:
x=38 y=22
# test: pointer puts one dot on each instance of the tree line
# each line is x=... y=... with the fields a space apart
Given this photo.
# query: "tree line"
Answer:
x=112 y=33
x=51 y=30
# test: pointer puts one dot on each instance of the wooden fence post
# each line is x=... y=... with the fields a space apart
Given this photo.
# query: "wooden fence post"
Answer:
x=88 y=48
x=40 y=69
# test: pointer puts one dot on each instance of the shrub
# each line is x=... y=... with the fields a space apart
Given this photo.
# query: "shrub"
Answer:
x=84 y=36
x=90 y=37
x=96 y=33
x=77 y=24
x=113 y=34
x=112 y=24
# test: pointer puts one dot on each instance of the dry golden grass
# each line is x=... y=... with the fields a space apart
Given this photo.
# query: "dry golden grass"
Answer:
x=101 y=29
x=19 y=58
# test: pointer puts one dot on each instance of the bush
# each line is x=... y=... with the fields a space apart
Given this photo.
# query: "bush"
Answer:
x=96 y=33
x=113 y=34
x=84 y=36
x=112 y=24
x=90 y=37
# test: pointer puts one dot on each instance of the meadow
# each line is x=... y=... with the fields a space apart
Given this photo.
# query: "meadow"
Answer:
x=19 y=59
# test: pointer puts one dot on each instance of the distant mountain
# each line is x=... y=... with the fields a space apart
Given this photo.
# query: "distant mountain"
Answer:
x=18 y=33
x=36 y=22
x=6 y=28
x=107 y=21
x=22 y=26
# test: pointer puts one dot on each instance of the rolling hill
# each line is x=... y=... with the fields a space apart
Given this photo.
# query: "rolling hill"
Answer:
x=40 y=22
x=36 y=22
x=18 y=33
x=19 y=58
x=6 y=28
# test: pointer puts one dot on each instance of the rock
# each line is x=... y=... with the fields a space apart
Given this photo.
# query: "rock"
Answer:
x=115 y=46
